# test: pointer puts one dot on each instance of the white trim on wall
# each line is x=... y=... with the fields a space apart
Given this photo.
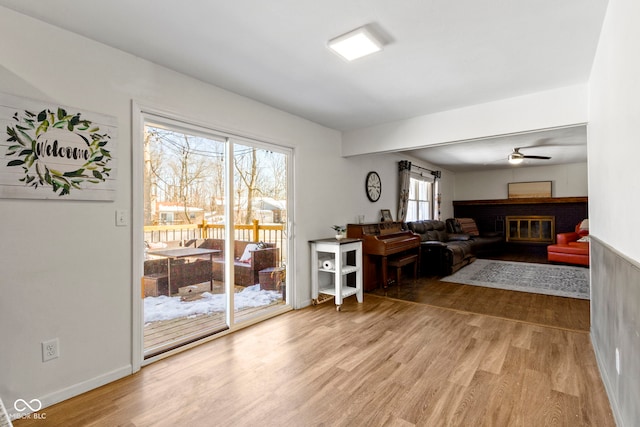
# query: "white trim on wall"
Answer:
x=139 y=113
x=137 y=227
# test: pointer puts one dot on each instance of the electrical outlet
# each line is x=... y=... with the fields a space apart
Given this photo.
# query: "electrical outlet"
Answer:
x=617 y=361
x=50 y=349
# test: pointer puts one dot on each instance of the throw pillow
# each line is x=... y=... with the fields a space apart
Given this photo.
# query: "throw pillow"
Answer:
x=468 y=226
x=583 y=228
x=246 y=255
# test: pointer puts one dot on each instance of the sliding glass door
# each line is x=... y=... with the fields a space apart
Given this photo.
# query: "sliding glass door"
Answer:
x=215 y=241
x=260 y=215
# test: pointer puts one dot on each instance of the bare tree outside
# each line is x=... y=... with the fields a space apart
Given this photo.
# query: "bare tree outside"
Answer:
x=188 y=236
x=245 y=162
x=184 y=179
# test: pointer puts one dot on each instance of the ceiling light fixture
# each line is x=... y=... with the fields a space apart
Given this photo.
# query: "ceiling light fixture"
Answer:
x=515 y=158
x=355 y=44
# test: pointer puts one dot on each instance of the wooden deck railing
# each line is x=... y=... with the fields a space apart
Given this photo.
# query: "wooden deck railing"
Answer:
x=171 y=233
x=254 y=232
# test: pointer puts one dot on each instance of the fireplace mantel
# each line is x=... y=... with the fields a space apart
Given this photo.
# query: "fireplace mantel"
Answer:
x=522 y=201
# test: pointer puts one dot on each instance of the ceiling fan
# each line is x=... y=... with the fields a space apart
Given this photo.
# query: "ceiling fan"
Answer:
x=516 y=157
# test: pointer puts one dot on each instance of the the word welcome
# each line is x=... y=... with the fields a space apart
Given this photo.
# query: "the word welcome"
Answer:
x=48 y=149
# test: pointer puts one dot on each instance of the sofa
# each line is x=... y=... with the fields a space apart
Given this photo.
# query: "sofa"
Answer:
x=571 y=247
x=482 y=242
x=249 y=259
x=448 y=246
x=441 y=253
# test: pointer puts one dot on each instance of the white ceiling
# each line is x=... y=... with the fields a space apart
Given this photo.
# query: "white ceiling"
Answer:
x=566 y=145
x=438 y=54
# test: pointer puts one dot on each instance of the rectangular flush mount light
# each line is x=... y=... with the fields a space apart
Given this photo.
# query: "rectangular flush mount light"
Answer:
x=355 y=44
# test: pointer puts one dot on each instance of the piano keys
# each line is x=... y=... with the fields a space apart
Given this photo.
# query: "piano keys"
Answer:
x=380 y=241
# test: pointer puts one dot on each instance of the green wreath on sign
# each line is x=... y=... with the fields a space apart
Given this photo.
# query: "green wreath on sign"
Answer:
x=27 y=152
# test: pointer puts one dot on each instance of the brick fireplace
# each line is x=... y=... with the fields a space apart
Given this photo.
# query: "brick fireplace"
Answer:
x=491 y=215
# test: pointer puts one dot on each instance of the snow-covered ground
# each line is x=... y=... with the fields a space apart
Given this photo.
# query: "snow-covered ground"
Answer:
x=166 y=308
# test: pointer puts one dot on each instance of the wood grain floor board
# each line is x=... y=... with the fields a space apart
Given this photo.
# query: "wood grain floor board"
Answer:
x=476 y=399
x=501 y=400
x=383 y=362
x=494 y=357
x=534 y=398
x=547 y=310
x=443 y=407
x=467 y=364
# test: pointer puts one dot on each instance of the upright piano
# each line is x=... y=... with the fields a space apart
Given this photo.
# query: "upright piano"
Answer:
x=381 y=240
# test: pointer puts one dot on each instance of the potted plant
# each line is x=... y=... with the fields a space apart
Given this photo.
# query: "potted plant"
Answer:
x=340 y=231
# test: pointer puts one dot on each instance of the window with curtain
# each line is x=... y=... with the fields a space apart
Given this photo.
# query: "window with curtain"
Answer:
x=421 y=204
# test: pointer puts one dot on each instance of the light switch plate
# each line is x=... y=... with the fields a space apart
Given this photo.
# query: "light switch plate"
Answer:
x=122 y=217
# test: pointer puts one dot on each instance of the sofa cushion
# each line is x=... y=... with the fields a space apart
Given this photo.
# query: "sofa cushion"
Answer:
x=459 y=237
x=566 y=249
x=429 y=230
x=468 y=226
x=581 y=245
x=572 y=248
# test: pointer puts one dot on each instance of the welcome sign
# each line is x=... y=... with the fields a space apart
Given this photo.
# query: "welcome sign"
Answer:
x=51 y=151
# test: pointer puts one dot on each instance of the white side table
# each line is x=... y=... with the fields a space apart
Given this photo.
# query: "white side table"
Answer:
x=335 y=251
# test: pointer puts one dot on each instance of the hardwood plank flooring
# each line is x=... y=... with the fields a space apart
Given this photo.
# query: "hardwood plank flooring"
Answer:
x=548 y=310
x=383 y=362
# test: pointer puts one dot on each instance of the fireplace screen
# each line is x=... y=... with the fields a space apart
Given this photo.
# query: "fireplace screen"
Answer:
x=531 y=229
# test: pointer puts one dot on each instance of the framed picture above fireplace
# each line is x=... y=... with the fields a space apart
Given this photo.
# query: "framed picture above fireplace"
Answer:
x=528 y=190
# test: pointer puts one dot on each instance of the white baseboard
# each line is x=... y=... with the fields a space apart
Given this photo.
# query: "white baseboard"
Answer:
x=82 y=387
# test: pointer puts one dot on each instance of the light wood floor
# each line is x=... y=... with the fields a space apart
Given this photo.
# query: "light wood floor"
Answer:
x=383 y=362
x=544 y=310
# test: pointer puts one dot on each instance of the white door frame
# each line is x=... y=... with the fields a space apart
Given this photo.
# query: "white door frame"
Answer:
x=139 y=112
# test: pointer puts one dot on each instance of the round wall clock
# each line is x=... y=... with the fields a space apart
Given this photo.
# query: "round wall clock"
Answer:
x=373 y=186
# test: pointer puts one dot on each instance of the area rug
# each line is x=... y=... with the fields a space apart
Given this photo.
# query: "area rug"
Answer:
x=559 y=280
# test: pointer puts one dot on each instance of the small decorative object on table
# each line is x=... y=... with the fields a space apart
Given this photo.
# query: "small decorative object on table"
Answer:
x=340 y=231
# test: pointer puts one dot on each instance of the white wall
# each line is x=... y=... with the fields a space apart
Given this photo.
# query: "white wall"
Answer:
x=567 y=181
x=542 y=110
x=614 y=149
x=614 y=203
x=66 y=268
x=387 y=167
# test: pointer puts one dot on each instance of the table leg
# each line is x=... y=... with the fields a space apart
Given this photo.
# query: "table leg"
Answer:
x=384 y=272
x=359 y=274
x=211 y=272
x=338 y=279
x=168 y=277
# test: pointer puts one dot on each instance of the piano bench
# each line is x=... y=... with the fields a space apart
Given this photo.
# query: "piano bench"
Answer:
x=400 y=262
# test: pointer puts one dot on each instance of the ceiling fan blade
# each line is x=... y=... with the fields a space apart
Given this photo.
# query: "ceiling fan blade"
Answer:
x=537 y=157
